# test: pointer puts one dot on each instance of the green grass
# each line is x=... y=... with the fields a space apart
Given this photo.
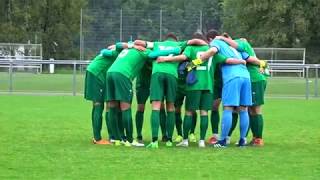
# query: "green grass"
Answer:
x=30 y=82
x=49 y=138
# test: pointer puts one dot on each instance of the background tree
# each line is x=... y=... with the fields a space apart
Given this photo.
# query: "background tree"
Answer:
x=275 y=23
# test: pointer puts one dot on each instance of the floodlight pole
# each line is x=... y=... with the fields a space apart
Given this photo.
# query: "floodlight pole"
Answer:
x=200 y=24
x=81 y=37
x=120 y=25
x=307 y=82
x=160 y=27
x=316 y=89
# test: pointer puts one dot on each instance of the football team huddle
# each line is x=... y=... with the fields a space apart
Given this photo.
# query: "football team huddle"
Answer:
x=198 y=74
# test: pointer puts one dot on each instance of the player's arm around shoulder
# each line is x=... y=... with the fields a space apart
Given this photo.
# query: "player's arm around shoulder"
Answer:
x=219 y=58
x=146 y=44
x=229 y=41
x=197 y=42
x=209 y=53
x=235 y=61
x=180 y=57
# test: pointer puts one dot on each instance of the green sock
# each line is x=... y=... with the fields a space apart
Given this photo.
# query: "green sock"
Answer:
x=109 y=126
x=163 y=119
x=250 y=126
x=215 y=119
x=179 y=123
x=170 y=124
x=259 y=125
x=155 y=121
x=96 y=117
x=234 y=123
x=253 y=119
x=120 y=124
x=194 y=123
x=186 y=126
x=139 y=124
x=203 y=126
x=113 y=120
x=127 y=123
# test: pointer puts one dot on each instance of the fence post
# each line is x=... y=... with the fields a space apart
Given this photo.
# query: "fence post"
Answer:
x=10 y=76
x=120 y=25
x=200 y=24
x=307 y=82
x=81 y=37
x=160 y=27
x=316 y=81
x=74 y=78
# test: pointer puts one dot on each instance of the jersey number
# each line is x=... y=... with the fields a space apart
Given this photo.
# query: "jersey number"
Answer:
x=123 y=53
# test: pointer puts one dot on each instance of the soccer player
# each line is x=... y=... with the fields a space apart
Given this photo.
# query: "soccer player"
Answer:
x=163 y=87
x=95 y=87
x=142 y=94
x=178 y=104
x=258 y=85
x=236 y=91
x=119 y=90
x=215 y=115
x=181 y=94
x=199 y=93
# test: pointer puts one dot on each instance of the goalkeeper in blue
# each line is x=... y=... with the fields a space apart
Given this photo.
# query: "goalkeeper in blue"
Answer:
x=258 y=83
x=236 y=90
x=199 y=88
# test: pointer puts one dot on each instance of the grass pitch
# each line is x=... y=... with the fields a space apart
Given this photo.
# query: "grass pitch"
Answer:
x=49 y=138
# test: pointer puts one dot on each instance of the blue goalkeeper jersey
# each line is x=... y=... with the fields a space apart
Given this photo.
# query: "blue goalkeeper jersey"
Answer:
x=230 y=71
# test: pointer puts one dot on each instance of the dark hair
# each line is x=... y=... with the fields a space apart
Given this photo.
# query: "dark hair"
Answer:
x=198 y=35
x=226 y=35
x=211 y=34
x=172 y=36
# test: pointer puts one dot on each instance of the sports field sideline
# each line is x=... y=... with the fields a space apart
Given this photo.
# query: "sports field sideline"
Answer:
x=50 y=138
x=29 y=82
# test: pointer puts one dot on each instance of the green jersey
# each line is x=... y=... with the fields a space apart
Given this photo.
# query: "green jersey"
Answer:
x=216 y=73
x=129 y=62
x=100 y=64
x=253 y=69
x=167 y=67
x=202 y=73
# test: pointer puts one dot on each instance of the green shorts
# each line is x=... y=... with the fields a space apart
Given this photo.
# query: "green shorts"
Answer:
x=258 y=89
x=217 y=90
x=181 y=93
x=142 y=91
x=163 y=87
x=199 y=100
x=94 y=89
x=119 y=87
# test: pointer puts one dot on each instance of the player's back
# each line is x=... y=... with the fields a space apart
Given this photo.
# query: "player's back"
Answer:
x=167 y=67
x=230 y=71
x=129 y=62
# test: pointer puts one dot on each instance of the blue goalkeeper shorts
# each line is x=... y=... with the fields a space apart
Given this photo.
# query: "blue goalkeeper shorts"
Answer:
x=237 y=92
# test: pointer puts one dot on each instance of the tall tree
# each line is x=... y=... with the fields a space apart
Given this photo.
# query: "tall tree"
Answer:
x=275 y=23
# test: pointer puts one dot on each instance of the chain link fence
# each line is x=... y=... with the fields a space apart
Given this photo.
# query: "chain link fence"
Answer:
x=99 y=29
